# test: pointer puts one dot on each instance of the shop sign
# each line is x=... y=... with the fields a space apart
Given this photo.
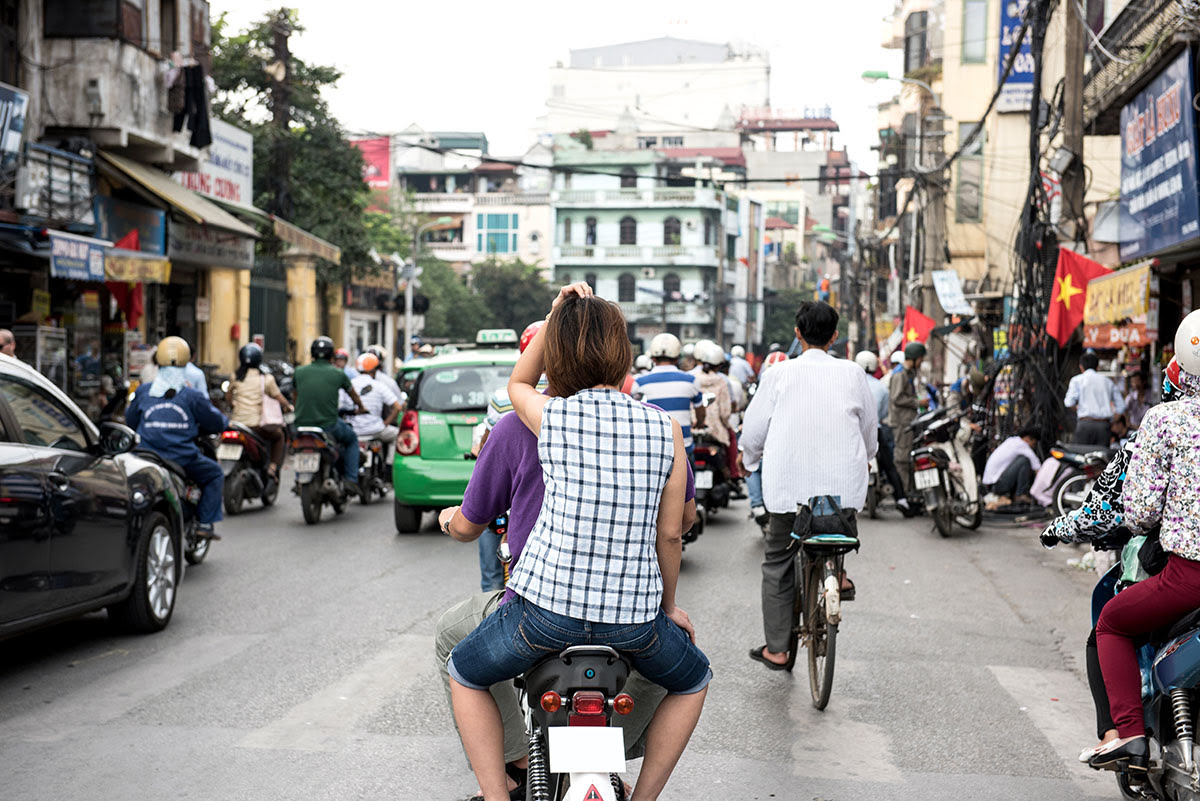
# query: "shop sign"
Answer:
x=1158 y=164
x=41 y=304
x=228 y=173
x=948 y=286
x=1118 y=296
x=1017 y=92
x=116 y=218
x=134 y=267
x=377 y=161
x=13 y=105
x=1114 y=337
x=203 y=310
x=78 y=258
x=211 y=247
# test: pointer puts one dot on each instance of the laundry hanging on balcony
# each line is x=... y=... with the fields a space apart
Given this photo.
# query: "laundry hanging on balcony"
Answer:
x=195 y=106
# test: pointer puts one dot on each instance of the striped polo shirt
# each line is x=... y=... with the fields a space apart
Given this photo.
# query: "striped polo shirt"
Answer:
x=673 y=391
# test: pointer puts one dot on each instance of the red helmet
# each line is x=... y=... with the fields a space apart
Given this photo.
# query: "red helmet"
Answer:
x=341 y=353
x=774 y=358
x=528 y=334
x=1172 y=388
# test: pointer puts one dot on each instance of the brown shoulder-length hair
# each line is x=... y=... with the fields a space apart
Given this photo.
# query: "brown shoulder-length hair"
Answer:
x=587 y=345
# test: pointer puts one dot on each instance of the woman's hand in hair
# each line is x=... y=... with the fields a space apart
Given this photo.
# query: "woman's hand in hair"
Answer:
x=579 y=289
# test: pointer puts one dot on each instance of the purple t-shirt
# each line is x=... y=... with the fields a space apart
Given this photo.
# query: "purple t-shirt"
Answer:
x=508 y=478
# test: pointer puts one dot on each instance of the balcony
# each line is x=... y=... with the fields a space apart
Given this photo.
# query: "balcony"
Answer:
x=447 y=251
x=670 y=197
x=681 y=313
x=638 y=255
x=513 y=199
x=443 y=202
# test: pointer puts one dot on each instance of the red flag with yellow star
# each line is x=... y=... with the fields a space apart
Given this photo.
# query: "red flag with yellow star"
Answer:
x=916 y=326
x=1070 y=293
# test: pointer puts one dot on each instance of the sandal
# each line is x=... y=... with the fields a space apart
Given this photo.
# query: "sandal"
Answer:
x=757 y=655
x=847 y=592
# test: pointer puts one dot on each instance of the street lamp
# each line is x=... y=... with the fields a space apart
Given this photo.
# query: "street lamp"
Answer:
x=411 y=271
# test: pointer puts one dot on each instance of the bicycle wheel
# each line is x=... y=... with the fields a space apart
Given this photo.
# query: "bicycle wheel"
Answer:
x=798 y=616
x=821 y=634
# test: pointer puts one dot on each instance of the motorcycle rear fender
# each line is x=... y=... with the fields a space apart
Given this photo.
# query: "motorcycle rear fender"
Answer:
x=229 y=466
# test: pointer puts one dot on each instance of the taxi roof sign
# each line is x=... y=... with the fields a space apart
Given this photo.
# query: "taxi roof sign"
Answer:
x=496 y=336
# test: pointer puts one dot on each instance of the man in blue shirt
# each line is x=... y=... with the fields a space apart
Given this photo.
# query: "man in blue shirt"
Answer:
x=168 y=415
x=669 y=388
x=1095 y=400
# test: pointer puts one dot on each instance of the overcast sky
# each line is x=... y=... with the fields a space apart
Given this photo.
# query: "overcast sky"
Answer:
x=473 y=65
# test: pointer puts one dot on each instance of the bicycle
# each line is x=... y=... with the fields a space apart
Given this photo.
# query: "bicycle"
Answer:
x=816 y=611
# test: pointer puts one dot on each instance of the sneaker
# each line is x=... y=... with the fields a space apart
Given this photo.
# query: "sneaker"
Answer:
x=351 y=489
x=205 y=532
x=902 y=505
x=759 y=513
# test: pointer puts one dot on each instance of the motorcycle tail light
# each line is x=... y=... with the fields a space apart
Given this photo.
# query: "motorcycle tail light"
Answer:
x=234 y=436
x=1057 y=454
x=588 y=702
x=408 y=441
x=701 y=463
x=551 y=701
x=924 y=463
x=623 y=704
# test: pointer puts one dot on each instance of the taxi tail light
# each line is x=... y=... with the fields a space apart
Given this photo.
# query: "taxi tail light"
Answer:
x=924 y=463
x=408 y=441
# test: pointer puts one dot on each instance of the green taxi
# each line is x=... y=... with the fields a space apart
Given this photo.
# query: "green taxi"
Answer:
x=447 y=398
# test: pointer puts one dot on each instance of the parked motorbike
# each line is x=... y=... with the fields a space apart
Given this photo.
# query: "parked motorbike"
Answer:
x=570 y=699
x=246 y=459
x=317 y=462
x=374 y=474
x=195 y=548
x=1079 y=467
x=944 y=472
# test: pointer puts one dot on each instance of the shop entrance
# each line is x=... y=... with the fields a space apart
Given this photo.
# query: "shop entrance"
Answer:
x=268 y=306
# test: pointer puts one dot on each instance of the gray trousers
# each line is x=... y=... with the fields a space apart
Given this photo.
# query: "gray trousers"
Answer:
x=464 y=617
x=1093 y=432
x=779 y=581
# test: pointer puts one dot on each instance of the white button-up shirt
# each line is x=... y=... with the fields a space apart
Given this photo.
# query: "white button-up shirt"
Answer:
x=813 y=425
x=1094 y=396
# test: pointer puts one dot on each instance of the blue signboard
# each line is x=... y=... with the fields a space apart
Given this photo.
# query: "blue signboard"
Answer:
x=78 y=258
x=116 y=218
x=1017 y=94
x=1158 y=164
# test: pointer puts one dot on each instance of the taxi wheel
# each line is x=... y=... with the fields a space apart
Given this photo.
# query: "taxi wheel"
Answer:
x=408 y=518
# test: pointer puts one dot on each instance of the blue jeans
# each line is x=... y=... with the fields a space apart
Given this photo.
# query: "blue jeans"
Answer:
x=491 y=571
x=754 y=487
x=211 y=478
x=347 y=442
x=519 y=634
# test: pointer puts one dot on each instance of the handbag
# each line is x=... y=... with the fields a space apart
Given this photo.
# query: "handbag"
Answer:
x=272 y=412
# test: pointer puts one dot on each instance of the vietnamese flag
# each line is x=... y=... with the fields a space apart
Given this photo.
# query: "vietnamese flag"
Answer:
x=917 y=326
x=1070 y=293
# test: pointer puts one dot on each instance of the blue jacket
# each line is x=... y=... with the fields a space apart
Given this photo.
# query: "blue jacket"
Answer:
x=169 y=426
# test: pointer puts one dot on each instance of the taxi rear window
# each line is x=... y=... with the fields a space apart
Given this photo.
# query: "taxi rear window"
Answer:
x=460 y=389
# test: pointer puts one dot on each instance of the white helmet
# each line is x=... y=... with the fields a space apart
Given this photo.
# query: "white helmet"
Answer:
x=867 y=361
x=709 y=352
x=664 y=346
x=689 y=349
x=1187 y=344
x=643 y=363
x=738 y=352
x=898 y=357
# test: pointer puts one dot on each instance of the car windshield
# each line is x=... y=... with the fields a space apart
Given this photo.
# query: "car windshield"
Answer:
x=461 y=389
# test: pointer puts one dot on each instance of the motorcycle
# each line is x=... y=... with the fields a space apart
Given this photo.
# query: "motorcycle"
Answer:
x=713 y=487
x=944 y=472
x=1079 y=467
x=874 y=488
x=570 y=699
x=374 y=473
x=246 y=459
x=317 y=462
x=195 y=548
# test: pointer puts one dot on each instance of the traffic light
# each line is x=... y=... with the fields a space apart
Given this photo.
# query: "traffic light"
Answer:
x=420 y=304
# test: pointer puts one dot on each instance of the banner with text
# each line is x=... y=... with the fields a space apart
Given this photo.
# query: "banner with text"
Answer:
x=78 y=258
x=1158 y=164
x=1017 y=94
x=227 y=174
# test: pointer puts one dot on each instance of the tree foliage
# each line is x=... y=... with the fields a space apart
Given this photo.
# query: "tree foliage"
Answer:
x=454 y=310
x=514 y=292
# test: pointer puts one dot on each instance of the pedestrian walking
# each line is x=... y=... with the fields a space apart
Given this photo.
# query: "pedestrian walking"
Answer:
x=1095 y=400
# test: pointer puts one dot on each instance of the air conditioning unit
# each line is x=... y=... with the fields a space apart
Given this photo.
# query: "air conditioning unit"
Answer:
x=647 y=272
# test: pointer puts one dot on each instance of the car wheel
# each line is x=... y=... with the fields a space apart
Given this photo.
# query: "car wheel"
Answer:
x=152 y=597
x=408 y=518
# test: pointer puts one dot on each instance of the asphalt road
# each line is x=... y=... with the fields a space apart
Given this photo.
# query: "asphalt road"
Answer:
x=299 y=665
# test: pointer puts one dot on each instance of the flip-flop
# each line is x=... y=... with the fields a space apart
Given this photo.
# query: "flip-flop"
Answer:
x=757 y=655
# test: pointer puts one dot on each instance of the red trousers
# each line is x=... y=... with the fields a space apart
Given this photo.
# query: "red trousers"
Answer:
x=731 y=456
x=1156 y=602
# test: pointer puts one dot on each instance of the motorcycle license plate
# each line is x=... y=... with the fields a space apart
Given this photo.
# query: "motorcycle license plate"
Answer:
x=926 y=479
x=704 y=479
x=306 y=462
x=586 y=749
x=193 y=494
x=229 y=451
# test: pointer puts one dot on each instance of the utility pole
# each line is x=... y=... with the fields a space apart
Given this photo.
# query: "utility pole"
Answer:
x=1072 y=176
x=281 y=115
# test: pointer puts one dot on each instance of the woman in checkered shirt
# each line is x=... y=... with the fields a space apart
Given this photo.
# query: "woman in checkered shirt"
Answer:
x=601 y=564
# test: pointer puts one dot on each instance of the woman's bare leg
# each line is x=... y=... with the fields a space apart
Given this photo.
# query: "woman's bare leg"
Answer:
x=666 y=737
x=482 y=734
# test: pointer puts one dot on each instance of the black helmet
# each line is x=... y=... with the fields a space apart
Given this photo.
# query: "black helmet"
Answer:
x=775 y=346
x=321 y=348
x=250 y=355
x=914 y=351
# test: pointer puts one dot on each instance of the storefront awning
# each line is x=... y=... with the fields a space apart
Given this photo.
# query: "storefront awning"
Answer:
x=1118 y=296
x=305 y=243
x=196 y=208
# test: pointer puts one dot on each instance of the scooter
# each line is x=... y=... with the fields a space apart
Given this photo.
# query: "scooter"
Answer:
x=195 y=548
x=1079 y=467
x=874 y=489
x=713 y=487
x=317 y=462
x=570 y=700
x=944 y=472
x=246 y=459
x=374 y=475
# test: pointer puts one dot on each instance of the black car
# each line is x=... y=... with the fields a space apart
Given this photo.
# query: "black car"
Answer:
x=85 y=524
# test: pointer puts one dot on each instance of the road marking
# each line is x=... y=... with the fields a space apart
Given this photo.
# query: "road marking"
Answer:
x=327 y=721
x=1067 y=722
x=112 y=696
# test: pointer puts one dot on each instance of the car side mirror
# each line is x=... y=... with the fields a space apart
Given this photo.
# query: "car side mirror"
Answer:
x=116 y=438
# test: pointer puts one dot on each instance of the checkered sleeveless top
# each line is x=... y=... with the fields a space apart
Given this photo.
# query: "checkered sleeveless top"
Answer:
x=591 y=555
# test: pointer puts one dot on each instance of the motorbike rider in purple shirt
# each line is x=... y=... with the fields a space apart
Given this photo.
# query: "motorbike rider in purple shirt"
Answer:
x=507 y=478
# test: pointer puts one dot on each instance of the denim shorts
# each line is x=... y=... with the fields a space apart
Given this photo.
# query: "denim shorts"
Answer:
x=519 y=634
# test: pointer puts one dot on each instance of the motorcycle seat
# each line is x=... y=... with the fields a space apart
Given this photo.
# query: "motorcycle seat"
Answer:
x=1182 y=626
x=246 y=430
x=173 y=466
x=569 y=669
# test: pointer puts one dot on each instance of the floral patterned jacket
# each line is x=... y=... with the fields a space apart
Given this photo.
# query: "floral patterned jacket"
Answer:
x=1162 y=483
x=1103 y=510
